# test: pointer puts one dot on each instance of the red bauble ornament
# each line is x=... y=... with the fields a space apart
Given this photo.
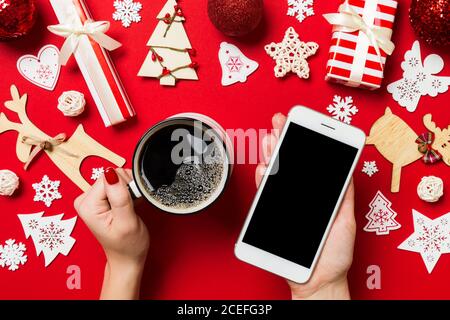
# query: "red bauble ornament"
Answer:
x=431 y=21
x=16 y=18
x=235 y=17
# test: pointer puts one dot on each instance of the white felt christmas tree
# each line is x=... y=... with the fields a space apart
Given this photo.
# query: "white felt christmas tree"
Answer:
x=381 y=217
x=51 y=235
x=170 y=53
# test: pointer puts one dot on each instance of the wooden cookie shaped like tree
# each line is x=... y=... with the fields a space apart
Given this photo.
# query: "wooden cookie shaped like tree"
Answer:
x=170 y=53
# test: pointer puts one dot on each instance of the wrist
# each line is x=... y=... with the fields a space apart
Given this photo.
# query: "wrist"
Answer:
x=119 y=265
x=126 y=271
x=122 y=279
x=336 y=290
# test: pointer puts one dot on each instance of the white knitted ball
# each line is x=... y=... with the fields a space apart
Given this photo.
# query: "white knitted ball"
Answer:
x=71 y=103
x=9 y=182
x=430 y=188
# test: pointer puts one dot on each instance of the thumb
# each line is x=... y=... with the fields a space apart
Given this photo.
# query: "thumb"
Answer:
x=116 y=189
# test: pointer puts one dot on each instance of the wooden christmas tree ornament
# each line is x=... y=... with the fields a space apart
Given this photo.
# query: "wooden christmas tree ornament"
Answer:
x=66 y=154
x=395 y=140
x=170 y=53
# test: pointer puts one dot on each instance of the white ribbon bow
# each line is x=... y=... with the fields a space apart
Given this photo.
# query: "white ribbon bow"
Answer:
x=72 y=32
x=347 y=20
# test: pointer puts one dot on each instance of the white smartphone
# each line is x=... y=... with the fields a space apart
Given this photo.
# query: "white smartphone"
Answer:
x=300 y=194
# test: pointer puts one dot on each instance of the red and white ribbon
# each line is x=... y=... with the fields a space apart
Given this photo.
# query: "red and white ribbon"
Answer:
x=362 y=32
x=347 y=20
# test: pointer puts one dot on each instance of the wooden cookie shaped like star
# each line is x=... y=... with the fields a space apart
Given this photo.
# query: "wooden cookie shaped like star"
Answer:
x=290 y=55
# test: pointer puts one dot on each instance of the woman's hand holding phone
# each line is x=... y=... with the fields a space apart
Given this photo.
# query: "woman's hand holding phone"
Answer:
x=329 y=280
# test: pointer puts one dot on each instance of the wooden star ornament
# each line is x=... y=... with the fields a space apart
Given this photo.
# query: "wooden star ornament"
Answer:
x=290 y=55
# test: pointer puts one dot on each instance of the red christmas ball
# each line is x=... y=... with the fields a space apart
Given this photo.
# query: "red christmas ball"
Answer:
x=235 y=17
x=16 y=18
x=431 y=21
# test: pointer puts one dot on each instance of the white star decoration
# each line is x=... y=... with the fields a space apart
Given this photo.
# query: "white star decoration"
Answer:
x=290 y=55
x=431 y=238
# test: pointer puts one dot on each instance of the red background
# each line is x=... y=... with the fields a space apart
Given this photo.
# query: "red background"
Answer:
x=191 y=257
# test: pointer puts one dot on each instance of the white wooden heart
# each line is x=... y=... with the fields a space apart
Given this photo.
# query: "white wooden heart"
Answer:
x=42 y=70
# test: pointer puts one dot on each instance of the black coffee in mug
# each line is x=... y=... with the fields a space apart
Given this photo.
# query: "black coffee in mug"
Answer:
x=181 y=165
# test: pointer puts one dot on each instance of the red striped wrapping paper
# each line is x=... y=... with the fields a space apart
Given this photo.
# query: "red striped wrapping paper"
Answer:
x=352 y=59
x=96 y=66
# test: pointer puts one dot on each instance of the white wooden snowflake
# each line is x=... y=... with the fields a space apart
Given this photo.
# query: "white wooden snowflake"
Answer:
x=3 y=4
x=46 y=191
x=97 y=172
x=342 y=109
x=370 y=168
x=12 y=254
x=127 y=12
x=300 y=9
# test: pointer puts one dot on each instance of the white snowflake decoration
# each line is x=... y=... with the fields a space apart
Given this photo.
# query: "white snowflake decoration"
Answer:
x=342 y=109
x=44 y=72
x=12 y=254
x=431 y=238
x=127 y=12
x=46 y=191
x=370 y=168
x=52 y=236
x=97 y=172
x=3 y=4
x=300 y=9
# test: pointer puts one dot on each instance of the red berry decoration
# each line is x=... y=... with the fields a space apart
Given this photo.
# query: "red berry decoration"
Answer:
x=165 y=71
x=430 y=20
x=192 y=52
x=167 y=18
x=235 y=17
x=193 y=65
x=178 y=11
x=17 y=17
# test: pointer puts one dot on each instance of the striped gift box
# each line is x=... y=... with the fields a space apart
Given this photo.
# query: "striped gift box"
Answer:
x=352 y=59
x=96 y=66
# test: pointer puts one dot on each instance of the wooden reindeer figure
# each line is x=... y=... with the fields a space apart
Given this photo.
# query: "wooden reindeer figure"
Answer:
x=441 y=138
x=66 y=154
x=395 y=140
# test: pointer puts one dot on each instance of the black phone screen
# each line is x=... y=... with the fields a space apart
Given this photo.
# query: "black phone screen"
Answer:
x=300 y=195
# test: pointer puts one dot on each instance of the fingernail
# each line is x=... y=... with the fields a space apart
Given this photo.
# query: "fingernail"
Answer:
x=111 y=176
